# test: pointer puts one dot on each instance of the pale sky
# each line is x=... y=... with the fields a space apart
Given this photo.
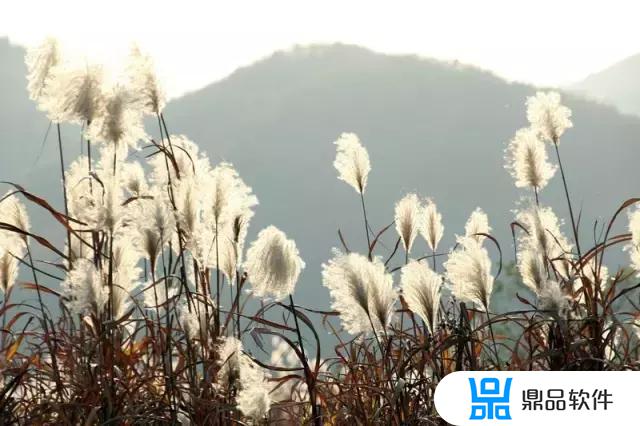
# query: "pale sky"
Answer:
x=544 y=42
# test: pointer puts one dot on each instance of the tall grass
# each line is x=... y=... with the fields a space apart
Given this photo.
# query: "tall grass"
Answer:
x=166 y=318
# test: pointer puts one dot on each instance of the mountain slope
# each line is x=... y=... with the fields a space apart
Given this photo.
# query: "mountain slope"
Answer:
x=432 y=127
x=617 y=85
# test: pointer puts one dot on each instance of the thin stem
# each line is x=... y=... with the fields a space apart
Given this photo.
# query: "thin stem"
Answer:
x=307 y=372
x=493 y=338
x=64 y=191
x=566 y=192
x=366 y=224
x=45 y=318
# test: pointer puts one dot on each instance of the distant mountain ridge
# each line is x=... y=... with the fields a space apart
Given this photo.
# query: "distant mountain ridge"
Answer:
x=618 y=85
x=436 y=128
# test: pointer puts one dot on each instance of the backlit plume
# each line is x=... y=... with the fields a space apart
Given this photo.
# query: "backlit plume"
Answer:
x=431 y=227
x=421 y=290
x=144 y=82
x=526 y=160
x=634 y=245
x=40 y=61
x=13 y=244
x=74 y=95
x=119 y=123
x=361 y=290
x=469 y=270
x=273 y=264
x=548 y=116
x=407 y=217
x=352 y=161
x=478 y=223
x=86 y=288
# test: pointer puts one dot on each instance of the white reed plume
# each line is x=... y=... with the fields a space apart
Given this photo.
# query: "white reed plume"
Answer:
x=407 y=219
x=227 y=195
x=431 y=227
x=13 y=245
x=82 y=200
x=532 y=269
x=187 y=157
x=97 y=198
x=144 y=82
x=361 y=290
x=190 y=320
x=40 y=61
x=155 y=226
x=273 y=264
x=634 y=245
x=469 y=270
x=478 y=223
x=421 y=288
x=254 y=399
x=352 y=161
x=193 y=317
x=229 y=352
x=527 y=161
x=554 y=300
x=14 y=214
x=8 y=270
x=544 y=236
x=125 y=273
x=119 y=122
x=134 y=180
x=86 y=288
x=548 y=116
x=74 y=95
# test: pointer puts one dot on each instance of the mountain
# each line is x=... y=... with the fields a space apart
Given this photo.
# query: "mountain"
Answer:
x=617 y=85
x=433 y=127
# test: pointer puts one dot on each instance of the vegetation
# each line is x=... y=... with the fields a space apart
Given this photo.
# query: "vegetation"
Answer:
x=166 y=317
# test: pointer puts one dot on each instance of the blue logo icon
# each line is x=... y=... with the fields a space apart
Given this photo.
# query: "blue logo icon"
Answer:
x=487 y=403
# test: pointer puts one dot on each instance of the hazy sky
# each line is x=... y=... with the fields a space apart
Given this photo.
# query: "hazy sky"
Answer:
x=546 y=42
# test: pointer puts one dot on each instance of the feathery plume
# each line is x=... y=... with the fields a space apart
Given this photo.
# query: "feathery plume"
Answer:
x=8 y=270
x=352 y=161
x=125 y=274
x=254 y=399
x=543 y=234
x=469 y=270
x=229 y=352
x=527 y=162
x=118 y=123
x=273 y=264
x=553 y=299
x=478 y=223
x=74 y=95
x=144 y=82
x=228 y=196
x=431 y=227
x=634 y=245
x=155 y=226
x=14 y=214
x=134 y=180
x=187 y=158
x=407 y=216
x=40 y=61
x=532 y=269
x=421 y=288
x=86 y=288
x=548 y=116
x=361 y=290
